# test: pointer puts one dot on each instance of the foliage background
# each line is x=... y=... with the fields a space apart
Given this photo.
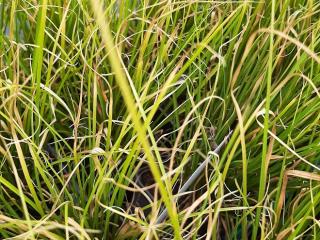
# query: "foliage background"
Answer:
x=92 y=92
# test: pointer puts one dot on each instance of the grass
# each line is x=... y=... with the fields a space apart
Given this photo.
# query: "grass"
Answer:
x=107 y=107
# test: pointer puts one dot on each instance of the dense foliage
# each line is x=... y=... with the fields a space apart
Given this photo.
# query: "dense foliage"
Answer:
x=107 y=107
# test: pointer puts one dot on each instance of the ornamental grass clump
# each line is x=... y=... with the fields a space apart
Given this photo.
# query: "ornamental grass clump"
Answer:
x=167 y=119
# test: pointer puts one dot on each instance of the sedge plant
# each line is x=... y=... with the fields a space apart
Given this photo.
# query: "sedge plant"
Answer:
x=92 y=92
